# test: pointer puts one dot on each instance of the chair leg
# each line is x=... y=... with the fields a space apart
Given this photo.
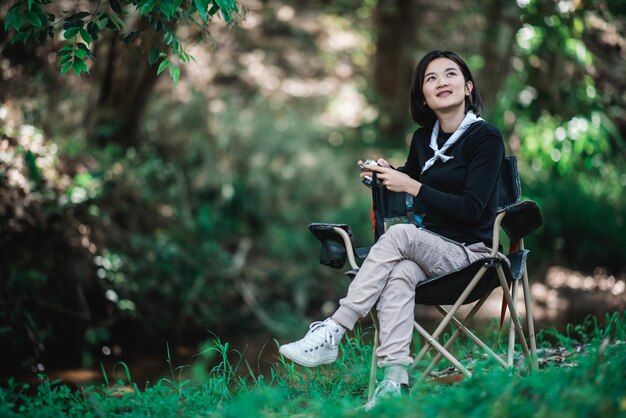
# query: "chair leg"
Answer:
x=460 y=325
x=512 y=327
x=461 y=328
x=372 y=383
x=444 y=323
x=442 y=350
x=529 y=312
x=529 y=318
x=513 y=314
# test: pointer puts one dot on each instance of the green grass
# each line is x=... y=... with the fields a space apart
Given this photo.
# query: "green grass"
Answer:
x=584 y=377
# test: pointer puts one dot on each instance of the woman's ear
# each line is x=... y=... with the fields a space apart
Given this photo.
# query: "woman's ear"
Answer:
x=469 y=86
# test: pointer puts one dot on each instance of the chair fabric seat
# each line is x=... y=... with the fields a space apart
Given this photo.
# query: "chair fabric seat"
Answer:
x=446 y=289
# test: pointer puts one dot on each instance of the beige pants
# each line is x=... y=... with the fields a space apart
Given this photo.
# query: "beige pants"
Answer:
x=403 y=257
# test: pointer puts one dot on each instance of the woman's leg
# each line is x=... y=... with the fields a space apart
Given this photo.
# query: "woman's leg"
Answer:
x=434 y=254
x=396 y=307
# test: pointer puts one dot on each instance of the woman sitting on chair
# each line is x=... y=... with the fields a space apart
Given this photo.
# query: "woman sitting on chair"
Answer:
x=452 y=168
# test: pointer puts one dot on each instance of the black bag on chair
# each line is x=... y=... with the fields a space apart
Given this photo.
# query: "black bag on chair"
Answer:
x=391 y=206
x=333 y=254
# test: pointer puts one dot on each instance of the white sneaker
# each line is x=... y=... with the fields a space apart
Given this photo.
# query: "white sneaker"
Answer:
x=385 y=390
x=319 y=346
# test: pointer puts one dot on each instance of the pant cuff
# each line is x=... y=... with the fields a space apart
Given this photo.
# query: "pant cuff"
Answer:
x=346 y=317
x=397 y=373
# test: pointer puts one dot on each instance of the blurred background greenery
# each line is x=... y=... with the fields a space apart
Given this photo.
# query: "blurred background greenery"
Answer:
x=135 y=211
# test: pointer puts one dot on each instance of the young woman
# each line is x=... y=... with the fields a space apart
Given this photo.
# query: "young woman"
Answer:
x=453 y=168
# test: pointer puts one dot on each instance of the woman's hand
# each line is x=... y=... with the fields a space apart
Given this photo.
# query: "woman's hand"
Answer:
x=394 y=180
x=367 y=172
x=381 y=162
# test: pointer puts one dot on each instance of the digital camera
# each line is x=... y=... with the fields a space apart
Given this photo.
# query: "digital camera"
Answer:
x=367 y=180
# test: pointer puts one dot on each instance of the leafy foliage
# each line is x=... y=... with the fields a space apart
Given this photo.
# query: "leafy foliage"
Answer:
x=155 y=230
x=37 y=19
x=560 y=117
x=590 y=384
x=130 y=245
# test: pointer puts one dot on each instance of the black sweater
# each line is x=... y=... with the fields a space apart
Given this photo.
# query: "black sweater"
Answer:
x=461 y=195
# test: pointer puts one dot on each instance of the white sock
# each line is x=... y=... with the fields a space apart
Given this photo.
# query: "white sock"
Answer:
x=397 y=373
x=334 y=324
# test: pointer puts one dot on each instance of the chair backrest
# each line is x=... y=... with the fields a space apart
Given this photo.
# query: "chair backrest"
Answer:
x=522 y=217
x=510 y=187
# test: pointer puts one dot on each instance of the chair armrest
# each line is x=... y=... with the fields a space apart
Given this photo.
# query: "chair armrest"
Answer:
x=521 y=219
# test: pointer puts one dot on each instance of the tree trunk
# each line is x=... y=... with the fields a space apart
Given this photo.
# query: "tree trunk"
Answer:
x=395 y=24
x=503 y=22
x=125 y=79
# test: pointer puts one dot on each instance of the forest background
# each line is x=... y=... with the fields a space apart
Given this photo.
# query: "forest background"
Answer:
x=138 y=211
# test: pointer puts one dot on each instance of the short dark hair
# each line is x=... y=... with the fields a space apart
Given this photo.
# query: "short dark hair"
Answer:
x=420 y=112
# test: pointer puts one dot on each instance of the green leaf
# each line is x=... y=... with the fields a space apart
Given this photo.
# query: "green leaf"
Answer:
x=164 y=6
x=18 y=21
x=66 y=58
x=79 y=66
x=153 y=56
x=66 y=67
x=225 y=5
x=175 y=73
x=168 y=7
x=75 y=20
x=146 y=6
x=31 y=162
x=13 y=20
x=85 y=35
x=115 y=5
x=117 y=22
x=71 y=33
x=30 y=4
x=201 y=5
x=80 y=54
x=93 y=29
x=176 y=5
x=83 y=47
x=163 y=66
x=102 y=21
x=33 y=18
x=22 y=36
x=8 y=20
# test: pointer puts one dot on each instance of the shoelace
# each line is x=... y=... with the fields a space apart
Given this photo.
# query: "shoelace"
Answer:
x=320 y=332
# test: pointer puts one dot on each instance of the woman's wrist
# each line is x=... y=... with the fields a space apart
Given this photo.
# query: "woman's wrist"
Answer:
x=415 y=187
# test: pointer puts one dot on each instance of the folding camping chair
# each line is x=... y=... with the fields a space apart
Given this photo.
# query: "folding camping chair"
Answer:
x=471 y=284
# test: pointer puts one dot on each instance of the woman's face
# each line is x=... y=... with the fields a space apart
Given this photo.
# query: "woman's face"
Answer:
x=444 y=86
